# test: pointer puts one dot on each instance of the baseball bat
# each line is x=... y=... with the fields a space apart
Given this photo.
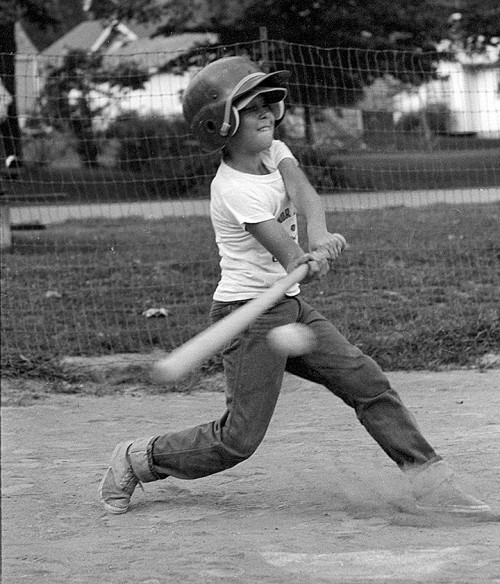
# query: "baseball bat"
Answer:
x=194 y=352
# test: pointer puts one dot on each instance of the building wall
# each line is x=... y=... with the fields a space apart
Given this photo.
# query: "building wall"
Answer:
x=484 y=101
x=473 y=96
x=27 y=74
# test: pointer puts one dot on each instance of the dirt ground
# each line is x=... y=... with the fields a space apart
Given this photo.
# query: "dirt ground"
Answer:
x=319 y=502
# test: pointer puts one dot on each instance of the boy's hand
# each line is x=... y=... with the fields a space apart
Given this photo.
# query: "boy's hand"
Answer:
x=317 y=262
x=333 y=243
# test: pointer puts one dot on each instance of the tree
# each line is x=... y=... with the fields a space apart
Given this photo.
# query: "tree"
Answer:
x=69 y=15
x=478 y=18
x=350 y=43
x=72 y=89
x=11 y=11
x=41 y=14
x=471 y=37
x=126 y=10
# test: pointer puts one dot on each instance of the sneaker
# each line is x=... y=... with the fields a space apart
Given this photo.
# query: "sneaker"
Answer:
x=435 y=489
x=449 y=498
x=119 y=482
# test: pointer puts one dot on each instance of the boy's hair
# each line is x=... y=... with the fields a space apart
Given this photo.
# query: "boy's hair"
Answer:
x=213 y=97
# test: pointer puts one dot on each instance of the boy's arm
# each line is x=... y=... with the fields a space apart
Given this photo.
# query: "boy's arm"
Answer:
x=289 y=254
x=309 y=205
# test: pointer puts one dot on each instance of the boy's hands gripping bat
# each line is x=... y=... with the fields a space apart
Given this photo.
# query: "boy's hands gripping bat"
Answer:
x=194 y=352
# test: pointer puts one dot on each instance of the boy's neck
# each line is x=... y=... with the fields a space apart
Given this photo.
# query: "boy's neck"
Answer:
x=246 y=164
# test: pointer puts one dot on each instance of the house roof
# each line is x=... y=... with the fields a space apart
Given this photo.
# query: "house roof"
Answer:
x=85 y=34
x=155 y=52
x=148 y=52
x=82 y=37
x=24 y=46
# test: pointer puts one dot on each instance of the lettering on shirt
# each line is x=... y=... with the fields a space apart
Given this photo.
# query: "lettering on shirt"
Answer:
x=283 y=216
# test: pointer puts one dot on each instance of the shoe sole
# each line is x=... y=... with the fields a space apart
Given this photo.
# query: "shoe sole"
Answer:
x=110 y=508
x=480 y=509
x=113 y=510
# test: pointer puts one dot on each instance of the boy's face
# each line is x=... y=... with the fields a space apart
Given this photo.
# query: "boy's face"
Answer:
x=256 y=129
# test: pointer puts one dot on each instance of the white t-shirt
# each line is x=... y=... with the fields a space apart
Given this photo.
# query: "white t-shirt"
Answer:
x=237 y=198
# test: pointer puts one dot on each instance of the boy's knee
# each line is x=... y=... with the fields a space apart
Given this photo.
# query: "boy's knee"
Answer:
x=368 y=379
x=361 y=383
x=241 y=445
x=376 y=378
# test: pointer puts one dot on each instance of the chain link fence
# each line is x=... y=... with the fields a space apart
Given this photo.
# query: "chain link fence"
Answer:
x=110 y=246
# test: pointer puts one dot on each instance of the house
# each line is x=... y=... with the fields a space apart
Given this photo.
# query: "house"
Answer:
x=468 y=86
x=471 y=91
x=27 y=74
x=163 y=91
x=119 y=42
x=153 y=53
x=93 y=36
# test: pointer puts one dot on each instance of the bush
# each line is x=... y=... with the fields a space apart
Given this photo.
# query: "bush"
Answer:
x=324 y=171
x=436 y=116
x=162 y=148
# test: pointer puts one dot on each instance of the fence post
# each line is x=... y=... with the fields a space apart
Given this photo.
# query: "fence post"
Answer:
x=5 y=234
x=264 y=48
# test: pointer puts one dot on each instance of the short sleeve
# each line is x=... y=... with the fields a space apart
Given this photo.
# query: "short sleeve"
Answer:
x=247 y=207
x=276 y=153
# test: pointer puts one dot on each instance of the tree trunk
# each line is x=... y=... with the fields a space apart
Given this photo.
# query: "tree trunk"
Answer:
x=308 y=126
x=9 y=128
x=426 y=131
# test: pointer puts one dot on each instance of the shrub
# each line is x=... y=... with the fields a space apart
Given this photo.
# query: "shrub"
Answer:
x=324 y=171
x=436 y=116
x=162 y=148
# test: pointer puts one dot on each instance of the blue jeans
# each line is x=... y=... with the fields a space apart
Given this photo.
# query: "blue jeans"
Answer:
x=254 y=375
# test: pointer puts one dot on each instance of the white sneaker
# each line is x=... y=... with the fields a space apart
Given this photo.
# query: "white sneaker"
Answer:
x=435 y=489
x=119 y=482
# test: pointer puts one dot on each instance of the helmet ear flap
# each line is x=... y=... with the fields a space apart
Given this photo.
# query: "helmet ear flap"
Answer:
x=207 y=127
x=236 y=124
x=278 y=110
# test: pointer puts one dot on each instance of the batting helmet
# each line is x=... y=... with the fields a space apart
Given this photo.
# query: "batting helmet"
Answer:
x=210 y=102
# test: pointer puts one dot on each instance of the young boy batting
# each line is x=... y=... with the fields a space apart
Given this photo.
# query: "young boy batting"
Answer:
x=256 y=195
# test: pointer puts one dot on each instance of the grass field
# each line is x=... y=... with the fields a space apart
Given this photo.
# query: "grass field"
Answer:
x=417 y=290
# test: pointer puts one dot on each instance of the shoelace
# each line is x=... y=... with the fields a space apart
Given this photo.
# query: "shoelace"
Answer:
x=127 y=456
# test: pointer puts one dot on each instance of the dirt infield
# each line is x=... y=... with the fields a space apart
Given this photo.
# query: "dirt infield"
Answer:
x=319 y=502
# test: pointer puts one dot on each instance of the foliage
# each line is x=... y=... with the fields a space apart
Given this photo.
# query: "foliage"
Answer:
x=145 y=139
x=379 y=24
x=43 y=12
x=10 y=12
x=350 y=45
x=386 y=36
x=477 y=18
x=324 y=171
x=435 y=116
x=67 y=14
x=161 y=147
x=143 y=11
x=344 y=23
x=67 y=100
